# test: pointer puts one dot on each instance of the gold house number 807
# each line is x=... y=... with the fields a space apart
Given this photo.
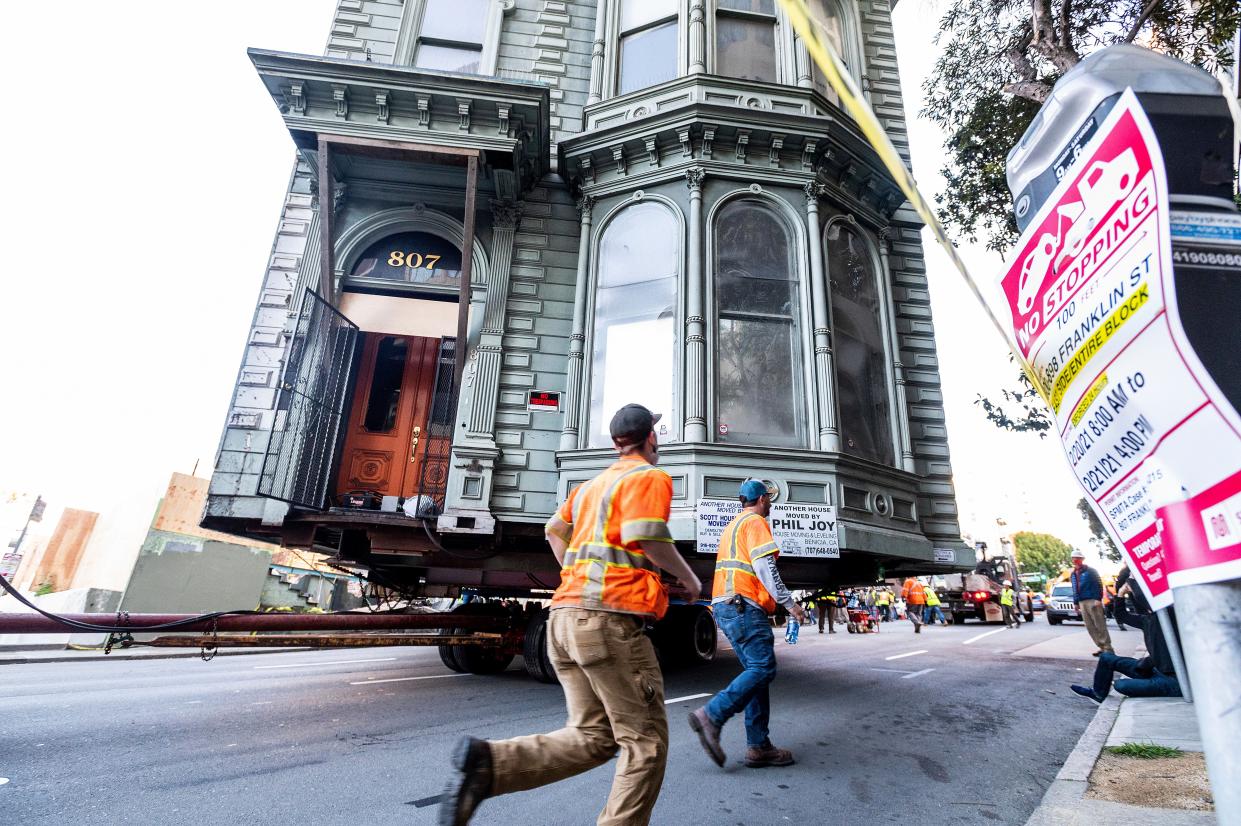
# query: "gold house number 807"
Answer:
x=412 y=260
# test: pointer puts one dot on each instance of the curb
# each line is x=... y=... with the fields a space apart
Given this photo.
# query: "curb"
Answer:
x=1065 y=802
x=171 y=655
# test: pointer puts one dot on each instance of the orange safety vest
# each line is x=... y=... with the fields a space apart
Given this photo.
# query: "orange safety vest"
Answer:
x=746 y=539
x=912 y=592
x=604 y=567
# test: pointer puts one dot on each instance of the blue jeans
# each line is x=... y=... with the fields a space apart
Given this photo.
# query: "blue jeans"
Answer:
x=749 y=630
x=1142 y=683
x=933 y=611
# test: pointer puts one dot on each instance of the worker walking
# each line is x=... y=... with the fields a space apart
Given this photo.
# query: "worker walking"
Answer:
x=1088 y=594
x=610 y=537
x=933 y=612
x=1008 y=606
x=915 y=601
x=746 y=590
x=884 y=601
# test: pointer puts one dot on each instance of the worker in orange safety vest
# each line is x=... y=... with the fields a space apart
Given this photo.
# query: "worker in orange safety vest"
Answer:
x=915 y=602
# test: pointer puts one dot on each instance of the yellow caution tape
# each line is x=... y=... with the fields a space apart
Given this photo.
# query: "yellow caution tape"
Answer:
x=825 y=57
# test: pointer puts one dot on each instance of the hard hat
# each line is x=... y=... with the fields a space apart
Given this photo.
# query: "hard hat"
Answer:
x=1008 y=582
x=1078 y=554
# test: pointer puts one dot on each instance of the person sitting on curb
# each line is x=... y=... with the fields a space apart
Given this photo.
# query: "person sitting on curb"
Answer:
x=1153 y=675
x=744 y=595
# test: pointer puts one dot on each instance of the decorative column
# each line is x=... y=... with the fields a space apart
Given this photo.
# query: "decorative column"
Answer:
x=900 y=413
x=697 y=37
x=695 y=317
x=602 y=9
x=824 y=372
x=486 y=374
x=805 y=74
x=577 y=338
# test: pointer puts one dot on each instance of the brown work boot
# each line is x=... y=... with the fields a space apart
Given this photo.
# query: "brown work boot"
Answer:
x=470 y=785
x=708 y=734
x=768 y=755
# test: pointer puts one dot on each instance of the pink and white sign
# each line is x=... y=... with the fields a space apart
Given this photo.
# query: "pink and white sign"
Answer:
x=1149 y=436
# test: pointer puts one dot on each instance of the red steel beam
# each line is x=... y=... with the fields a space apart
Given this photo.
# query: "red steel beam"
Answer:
x=36 y=624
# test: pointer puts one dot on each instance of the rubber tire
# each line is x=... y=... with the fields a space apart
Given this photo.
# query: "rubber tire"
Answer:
x=475 y=659
x=1054 y=620
x=534 y=649
x=449 y=657
x=686 y=636
x=1030 y=616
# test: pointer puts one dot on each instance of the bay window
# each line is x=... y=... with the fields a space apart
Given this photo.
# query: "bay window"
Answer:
x=862 y=379
x=450 y=38
x=634 y=344
x=759 y=399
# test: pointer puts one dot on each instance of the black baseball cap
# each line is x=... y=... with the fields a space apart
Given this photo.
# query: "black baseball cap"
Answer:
x=632 y=424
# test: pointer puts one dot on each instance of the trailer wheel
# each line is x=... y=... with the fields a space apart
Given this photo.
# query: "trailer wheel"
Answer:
x=686 y=636
x=1054 y=620
x=1029 y=615
x=958 y=619
x=476 y=659
x=534 y=649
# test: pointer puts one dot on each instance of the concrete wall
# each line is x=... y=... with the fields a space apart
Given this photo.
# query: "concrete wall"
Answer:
x=60 y=560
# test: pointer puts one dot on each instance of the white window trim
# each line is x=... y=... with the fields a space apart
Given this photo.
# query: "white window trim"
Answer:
x=611 y=79
x=796 y=225
x=887 y=330
x=852 y=33
x=786 y=68
x=411 y=26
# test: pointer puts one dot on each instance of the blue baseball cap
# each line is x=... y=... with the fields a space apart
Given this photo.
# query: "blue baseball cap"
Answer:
x=752 y=490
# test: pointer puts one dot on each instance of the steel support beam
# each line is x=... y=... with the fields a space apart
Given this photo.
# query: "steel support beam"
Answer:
x=11 y=623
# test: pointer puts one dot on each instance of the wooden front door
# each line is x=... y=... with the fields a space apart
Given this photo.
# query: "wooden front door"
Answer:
x=389 y=415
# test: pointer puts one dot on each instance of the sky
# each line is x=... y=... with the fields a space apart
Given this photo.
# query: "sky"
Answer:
x=142 y=190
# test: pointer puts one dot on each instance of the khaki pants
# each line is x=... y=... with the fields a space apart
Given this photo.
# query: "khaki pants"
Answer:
x=615 y=695
x=1096 y=623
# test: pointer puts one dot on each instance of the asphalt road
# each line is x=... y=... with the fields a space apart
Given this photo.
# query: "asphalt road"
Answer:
x=947 y=726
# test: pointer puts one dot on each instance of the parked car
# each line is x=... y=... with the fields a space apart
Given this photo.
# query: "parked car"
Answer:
x=1060 y=605
x=1038 y=602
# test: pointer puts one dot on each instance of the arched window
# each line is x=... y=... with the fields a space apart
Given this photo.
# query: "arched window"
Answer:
x=635 y=340
x=758 y=347
x=648 y=44
x=836 y=27
x=410 y=258
x=745 y=39
x=862 y=385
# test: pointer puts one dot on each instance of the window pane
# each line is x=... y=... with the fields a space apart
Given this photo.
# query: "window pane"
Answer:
x=635 y=13
x=446 y=59
x=385 y=396
x=411 y=257
x=458 y=20
x=745 y=48
x=861 y=360
x=635 y=340
x=760 y=6
x=648 y=57
x=758 y=343
x=757 y=401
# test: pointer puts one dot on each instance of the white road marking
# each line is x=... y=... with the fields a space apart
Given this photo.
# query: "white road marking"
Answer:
x=906 y=654
x=192 y=702
x=329 y=662
x=686 y=697
x=986 y=634
x=892 y=670
x=3 y=780
x=262 y=703
x=917 y=673
x=407 y=679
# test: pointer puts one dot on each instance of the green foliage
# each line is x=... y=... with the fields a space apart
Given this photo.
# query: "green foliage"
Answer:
x=1041 y=552
x=45 y=588
x=1145 y=751
x=1098 y=534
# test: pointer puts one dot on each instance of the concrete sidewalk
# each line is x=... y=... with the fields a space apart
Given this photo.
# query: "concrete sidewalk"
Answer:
x=1165 y=721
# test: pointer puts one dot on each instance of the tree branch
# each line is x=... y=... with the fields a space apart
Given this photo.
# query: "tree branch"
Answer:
x=1147 y=11
x=1029 y=89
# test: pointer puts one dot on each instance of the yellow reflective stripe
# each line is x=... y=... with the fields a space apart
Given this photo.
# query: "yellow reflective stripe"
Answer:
x=639 y=530
x=764 y=550
x=609 y=497
x=558 y=528
x=729 y=569
x=736 y=565
x=605 y=552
